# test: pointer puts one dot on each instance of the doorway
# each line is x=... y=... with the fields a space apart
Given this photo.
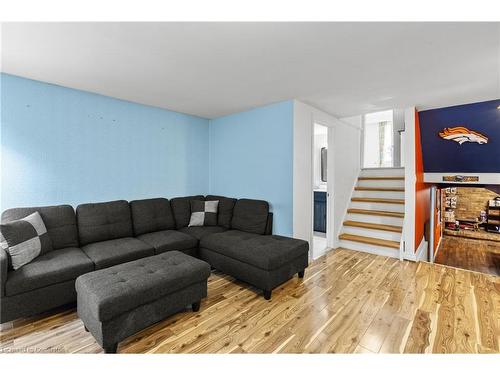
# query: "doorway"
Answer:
x=320 y=190
x=467 y=222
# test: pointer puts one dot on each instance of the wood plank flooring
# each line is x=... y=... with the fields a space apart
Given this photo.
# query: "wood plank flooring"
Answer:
x=348 y=302
x=470 y=254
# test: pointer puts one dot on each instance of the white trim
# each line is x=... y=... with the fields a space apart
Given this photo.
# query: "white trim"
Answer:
x=410 y=180
x=379 y=168
x=304 y=116
x=330 y=217
x=432 y=223
x=421 y=253
x=402 y=244
x=484 y=178
x=362 y=144
x=344 y=216
x=367 y=248
x=438 y=246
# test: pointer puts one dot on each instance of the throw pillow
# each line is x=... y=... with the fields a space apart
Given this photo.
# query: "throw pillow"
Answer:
x=203 y=213
x=26 y=239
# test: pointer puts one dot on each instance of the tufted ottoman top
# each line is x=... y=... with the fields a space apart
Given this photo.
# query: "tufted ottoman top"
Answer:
x=115 y=290
x=264 y=252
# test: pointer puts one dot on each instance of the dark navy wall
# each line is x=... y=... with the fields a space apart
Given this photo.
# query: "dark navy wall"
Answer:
x=441 y=155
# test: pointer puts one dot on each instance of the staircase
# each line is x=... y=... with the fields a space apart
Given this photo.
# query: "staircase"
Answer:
x=374 y=220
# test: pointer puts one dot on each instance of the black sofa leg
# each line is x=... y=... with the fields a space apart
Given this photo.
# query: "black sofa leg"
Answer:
x=196 y=306
x=111 y=349
x=267 y=294
x=86 y=329
x=301 y=274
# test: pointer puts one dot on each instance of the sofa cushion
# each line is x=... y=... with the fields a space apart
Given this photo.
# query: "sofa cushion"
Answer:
x=226 y=206
x=264 y=252
x=60 y=222
x=103 y=221
x=151 y=215
x=113 y=291
x=167 y=240
x=250 y=215
x=200 y=232
x=203 y=213
x=26 y=239
x=181 y=208
x=55 y=267
x=109 y=253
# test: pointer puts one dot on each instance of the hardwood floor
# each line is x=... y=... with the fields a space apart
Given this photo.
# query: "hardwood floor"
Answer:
x=470 y=254
x=348 y=302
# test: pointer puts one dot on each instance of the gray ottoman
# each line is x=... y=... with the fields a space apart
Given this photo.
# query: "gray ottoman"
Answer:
x=117 y=302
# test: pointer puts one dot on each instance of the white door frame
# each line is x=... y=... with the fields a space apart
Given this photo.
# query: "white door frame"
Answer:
x=304 y=116
x=329 y=184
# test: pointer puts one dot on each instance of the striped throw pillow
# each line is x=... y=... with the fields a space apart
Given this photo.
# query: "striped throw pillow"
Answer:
x=25 y=239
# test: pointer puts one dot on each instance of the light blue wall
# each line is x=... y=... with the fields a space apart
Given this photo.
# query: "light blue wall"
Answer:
x=61 y=145
x=251 y=156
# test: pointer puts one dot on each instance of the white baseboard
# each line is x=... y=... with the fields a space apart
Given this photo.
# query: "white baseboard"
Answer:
x=420 y=254
x=438 y=247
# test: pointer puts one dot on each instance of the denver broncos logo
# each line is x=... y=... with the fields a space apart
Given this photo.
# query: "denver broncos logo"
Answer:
x=460 y=135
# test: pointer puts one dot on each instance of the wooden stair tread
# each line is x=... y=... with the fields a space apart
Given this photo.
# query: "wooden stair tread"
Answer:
x=361 y=188
x=369 y=240
x=381 y=178
x=362 y=224
x=375 y=212
x=379 y=200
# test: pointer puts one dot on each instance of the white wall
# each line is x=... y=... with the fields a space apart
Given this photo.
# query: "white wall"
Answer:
x=371 y=154
x=398 y=124
x=370 y=145
x=410 y=180
x=344 y=161
x=302 y=171
x=347 y=169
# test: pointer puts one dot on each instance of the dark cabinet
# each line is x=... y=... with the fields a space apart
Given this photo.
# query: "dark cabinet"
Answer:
x=320 y=211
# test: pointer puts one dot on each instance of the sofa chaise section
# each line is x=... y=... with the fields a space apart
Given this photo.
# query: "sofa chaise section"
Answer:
x=246 y=253
x=48 y=281
x=106 y=234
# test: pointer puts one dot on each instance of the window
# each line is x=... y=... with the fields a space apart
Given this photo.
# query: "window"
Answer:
x=378 y=140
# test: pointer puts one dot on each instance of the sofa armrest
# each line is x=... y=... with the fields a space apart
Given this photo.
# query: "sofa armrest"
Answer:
x=269 y=224
x=4 y=269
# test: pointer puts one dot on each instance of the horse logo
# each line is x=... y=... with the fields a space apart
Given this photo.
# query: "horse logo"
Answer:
x=461 y=135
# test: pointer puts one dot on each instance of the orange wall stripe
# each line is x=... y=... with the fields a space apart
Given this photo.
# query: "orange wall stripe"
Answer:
x=422 y=190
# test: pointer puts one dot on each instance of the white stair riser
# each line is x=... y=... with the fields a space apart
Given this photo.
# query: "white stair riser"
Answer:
x=372 y=249
x=388 y=220
x=373 y=233
x=381 y=183
x=385 y=172
x=379 y=194
x=378 y=206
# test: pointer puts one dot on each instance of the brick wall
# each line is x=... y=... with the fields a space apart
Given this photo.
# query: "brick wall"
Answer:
x=472 y=200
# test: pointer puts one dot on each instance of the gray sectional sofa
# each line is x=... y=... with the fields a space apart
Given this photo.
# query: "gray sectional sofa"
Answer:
x=101 y=235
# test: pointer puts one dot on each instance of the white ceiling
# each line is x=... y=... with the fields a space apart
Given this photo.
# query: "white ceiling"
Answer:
x=214 y=69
